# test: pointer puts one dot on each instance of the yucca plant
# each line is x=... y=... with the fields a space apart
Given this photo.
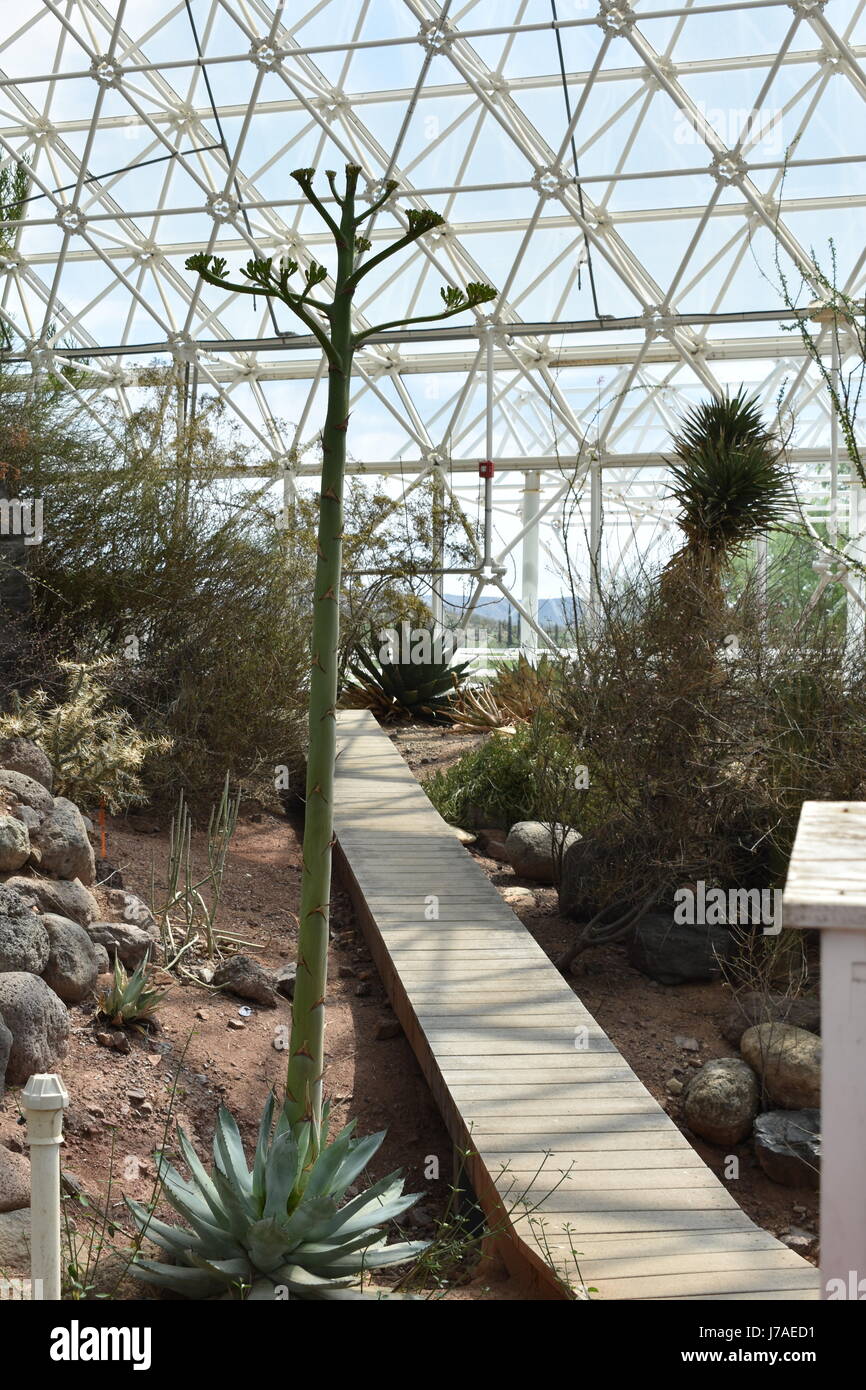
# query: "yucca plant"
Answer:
x=131 y=1001
x=396 y=689
x=278 y=1231
x=729 y=479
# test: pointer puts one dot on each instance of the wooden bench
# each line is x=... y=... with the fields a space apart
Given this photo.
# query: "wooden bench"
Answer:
x=585 y=1181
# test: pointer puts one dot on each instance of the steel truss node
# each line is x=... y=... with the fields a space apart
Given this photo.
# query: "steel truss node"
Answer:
x=634 y=179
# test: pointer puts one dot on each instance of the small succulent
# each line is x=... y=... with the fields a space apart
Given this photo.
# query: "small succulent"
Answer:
x=279 y=1230
x=396 y=689
x=130 y=1001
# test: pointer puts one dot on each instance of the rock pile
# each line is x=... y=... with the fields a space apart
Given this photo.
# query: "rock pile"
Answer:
x=53 y=941
x=780 y=1066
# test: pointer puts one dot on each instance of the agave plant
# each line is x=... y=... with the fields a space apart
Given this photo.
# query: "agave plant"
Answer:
x=395 y=689
x=283 y=1229
x=130 y=1001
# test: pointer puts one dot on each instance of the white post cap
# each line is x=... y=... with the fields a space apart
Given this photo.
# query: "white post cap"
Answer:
x=45 y=1091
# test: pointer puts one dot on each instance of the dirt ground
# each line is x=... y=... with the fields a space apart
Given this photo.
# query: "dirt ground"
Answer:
x=642 y=1017
x=207 y=1053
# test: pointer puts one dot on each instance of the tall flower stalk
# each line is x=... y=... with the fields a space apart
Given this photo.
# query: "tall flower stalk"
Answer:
x=330 y=322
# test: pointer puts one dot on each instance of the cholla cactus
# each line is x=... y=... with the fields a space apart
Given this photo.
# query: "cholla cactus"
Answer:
x=278 y=1231
x=96 y=751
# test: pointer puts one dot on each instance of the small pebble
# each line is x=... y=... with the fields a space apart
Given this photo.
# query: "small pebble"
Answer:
x=236 y=1024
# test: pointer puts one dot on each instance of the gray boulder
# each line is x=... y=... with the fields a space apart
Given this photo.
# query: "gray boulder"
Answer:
x=73 y=962
x=23 y=938
x=20 y=755
x=721 y=1101
x=788 y=1061
x=26 y=791
x=103 y=964
x=575 y=896
x=788 y=1146
x=38 y=1022
x=66 y=898
x=245 y=977
x=14 y=844
x=26 y=815
x=14 y=1181
x=674 y=953
x=122 y=941
x=751 y=1008
x=66 y=849
x=284 y=979
x=15 y=1241
x=529 y=848
x=132 y=909
x=5 y=1049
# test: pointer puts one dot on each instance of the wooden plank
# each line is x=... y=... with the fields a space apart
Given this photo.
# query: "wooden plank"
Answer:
x=597 y=1140
x=533 y=1091
x=712 y=1284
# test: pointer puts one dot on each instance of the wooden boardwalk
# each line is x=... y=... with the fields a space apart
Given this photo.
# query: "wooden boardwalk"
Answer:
x=576 y=1164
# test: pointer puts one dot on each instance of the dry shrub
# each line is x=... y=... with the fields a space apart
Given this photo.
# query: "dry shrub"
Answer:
x=702 y=741
x=156 y=559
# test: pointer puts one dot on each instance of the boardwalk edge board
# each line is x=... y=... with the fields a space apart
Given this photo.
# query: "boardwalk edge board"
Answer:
x=528 y=1084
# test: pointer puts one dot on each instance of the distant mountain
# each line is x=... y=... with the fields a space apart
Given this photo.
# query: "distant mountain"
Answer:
x=550 y=610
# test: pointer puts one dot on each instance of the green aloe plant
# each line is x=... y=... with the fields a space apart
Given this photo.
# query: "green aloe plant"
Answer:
x=131 y=1000
x=396 y=688
x=278 y=1230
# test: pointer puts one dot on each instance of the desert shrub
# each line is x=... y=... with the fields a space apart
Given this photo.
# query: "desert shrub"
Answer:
x=95 y=749
x=502 y=781
x=702 y=759
x=156 y=558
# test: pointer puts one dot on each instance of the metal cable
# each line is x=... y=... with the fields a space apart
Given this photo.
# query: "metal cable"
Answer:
x=225 y=148
x=574 y=158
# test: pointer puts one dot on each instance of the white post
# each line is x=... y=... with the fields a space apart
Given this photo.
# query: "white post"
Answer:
x=44 y=1100
x=529 y=563
x=843 y=1112
x=826 y=890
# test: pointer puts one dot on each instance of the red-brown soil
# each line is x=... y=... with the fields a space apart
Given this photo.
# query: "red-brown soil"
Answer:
x=205 y=1053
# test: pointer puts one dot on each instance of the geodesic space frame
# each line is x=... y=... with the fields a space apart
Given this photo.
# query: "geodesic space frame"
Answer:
x=634 y=179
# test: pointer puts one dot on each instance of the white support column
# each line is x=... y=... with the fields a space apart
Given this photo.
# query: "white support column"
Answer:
x=437 y=578
x=856 y=548
x=761 y=567
x=44 y=1100
x=826 y=889
x=529 y=563
x=595 y=531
